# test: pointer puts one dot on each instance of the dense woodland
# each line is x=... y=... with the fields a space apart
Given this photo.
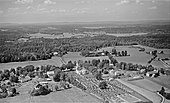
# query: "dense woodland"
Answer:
x=12 y=50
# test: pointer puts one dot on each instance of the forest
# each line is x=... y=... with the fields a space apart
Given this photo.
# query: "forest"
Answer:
x=12 y=50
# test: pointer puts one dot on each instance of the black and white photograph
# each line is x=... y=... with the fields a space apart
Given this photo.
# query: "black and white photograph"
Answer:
x=84 y=51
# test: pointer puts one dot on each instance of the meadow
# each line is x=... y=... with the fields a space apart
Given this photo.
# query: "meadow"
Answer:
x=135 y=57
x=73 y=95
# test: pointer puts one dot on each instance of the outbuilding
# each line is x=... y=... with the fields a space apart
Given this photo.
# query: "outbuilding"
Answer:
x=151 y=74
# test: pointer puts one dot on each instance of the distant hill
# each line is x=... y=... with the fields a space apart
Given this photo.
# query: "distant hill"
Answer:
x=145 y=22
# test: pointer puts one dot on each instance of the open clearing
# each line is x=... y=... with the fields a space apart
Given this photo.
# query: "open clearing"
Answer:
x=135 y=57
x=50 y=36
x=162 y=80
x=150 y=86
x=147 y=84
x=54 y=61
x=126 y=34
x=73 y=95
x=150 y=95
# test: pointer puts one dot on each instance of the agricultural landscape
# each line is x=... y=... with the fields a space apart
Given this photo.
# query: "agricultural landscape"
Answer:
x=85 y=63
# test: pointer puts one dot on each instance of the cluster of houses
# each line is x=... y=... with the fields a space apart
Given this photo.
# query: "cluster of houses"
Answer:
x=117 y=73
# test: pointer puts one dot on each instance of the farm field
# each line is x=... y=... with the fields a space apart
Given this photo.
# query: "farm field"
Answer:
x=137 y=57
x=150 y=86
x=127 y=34
x=75 y=56
x=73 y=95
x=54 y=61
x=162 y=80
x=150 y=95
x=50 y=36
x=147 y=84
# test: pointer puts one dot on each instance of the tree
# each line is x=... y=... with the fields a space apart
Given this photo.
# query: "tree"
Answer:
x=162 y=71
x=63 y=67
x=56 y=76
x=118 y=65
x=114 y=51
x=13 y=90
x=125 y=53
x=85 y=53
x=80 y=63
x=75 y=63
x=167 y=72
x=37 y=68
x=113 y=61
x=12 y=70
x=63 y=76
x=29 y=68
x=6 y=74
x=14 y=79
x=100 y=65
x=106 y=66
x=162 y=91
x=99 y=75
x=31 y=74
x=103 y=85
x=119 y=54
x=94 y=62
x=59 y=76
x=150 y=68
x=70 y=65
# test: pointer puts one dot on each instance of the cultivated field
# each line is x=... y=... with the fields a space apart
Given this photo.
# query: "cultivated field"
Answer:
x=75 y=56
x=162 y=80
x=73 y=95
x=152 y=86
x=137 y=57
x=147 y=84
x=50 y=36
x=127 y=34
x=54 y=61
x=150 y=95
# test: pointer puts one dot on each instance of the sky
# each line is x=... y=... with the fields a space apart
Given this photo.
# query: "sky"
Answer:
x=37 y=11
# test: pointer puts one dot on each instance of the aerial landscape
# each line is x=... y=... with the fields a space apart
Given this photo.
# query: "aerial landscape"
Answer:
x=84 y=51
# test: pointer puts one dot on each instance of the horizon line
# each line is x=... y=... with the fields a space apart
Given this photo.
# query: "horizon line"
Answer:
x=120 y=21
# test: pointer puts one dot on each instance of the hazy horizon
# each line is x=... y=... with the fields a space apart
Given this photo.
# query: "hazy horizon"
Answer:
x=44 y=11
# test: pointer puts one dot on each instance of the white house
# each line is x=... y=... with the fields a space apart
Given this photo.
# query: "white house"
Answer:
x=50 y=73
x=55 y=53
x=151 y=74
